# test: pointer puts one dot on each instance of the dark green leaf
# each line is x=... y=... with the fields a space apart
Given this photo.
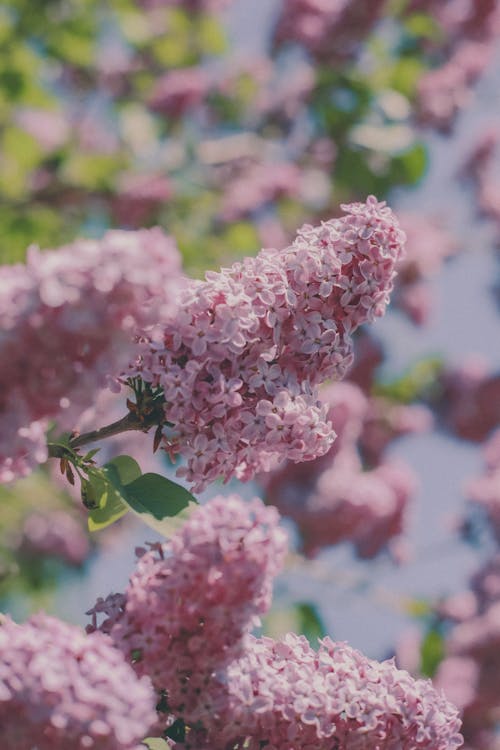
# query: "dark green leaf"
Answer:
x=127 y=468
x=431 y=653
x=160 y=503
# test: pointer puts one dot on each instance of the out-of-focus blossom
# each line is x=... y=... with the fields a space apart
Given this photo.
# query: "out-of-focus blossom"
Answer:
x=60 y=688
x=55 y=534
x=258 y=185
x=428 y=245
x=240 y=365
x=49 y=128
x=386 y=421
x=328 y=29
x=68 y=321
x=191 y=601
x=471 y=399
x=444 y=91
x=138 y=196
x=332 y=499
x=178 y=91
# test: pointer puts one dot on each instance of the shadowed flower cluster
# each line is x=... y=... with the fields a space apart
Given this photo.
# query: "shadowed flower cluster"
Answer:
x=68 y=319
x=60 y=688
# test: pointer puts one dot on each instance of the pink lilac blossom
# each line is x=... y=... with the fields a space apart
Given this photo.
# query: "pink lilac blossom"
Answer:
x=328 y=29
x=474 y=19
x=49 y=128
x=191 y=600
x=387 y=420
x=55 y=534
x=428 y=246
x=445 y=91
x=345 y=503
x=68 y=320
x=481 y=167
x=258 y=185
x=284 y=694
x=471 y=399
x=179 y=91
x=60 y=688
x=138 y=196
x=241 y=364
x=332 y=499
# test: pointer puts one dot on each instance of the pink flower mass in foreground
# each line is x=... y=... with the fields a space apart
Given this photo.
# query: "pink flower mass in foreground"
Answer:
x=60 y=689
x=185 y=621
x=241 y=362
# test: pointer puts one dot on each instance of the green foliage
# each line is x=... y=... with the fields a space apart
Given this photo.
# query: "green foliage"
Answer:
x=155 y=743
x=303 y=618
x=417 y=382
x=103 y=491
x=431 y=652
x=160 y=503
x=111 y=491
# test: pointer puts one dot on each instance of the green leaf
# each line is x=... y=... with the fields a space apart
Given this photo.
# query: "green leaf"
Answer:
x=160 y=503
x=431 y=653
x=411 y=166
x=101 y=491
x=106 y=488
x=211 y=36
x=155 y=743
x=127 y=468
x=310 y=622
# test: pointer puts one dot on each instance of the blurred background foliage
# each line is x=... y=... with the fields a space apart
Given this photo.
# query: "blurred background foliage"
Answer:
x=123 y=113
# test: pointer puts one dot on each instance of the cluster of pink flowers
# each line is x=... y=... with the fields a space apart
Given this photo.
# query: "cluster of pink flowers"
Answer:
x=328 y=30
x=333 y=499
x=185 y=618
x=56 y=534
x=138 y=196
x=258 y=185
x=469 y=673
x=68 y=320
x=481 y=167
x=470 y=400
x=428 y=246
x=60 y=688
x=470 y=30
x=178 y=91
x=285 y=694
x=241 y=363
x=191 y=600
x=445 y=91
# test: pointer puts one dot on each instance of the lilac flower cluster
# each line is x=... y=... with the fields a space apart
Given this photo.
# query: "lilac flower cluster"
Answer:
x=56 y=534
x=469 y=32
x=284 y=694
x=428 y=246
x=67 y=324
x=60 y=688
x=328 y=30
x=334 y=498
x=185 y=619
x=470 y=400
x=241 y=362
x=191 y=601
x=259 y=184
